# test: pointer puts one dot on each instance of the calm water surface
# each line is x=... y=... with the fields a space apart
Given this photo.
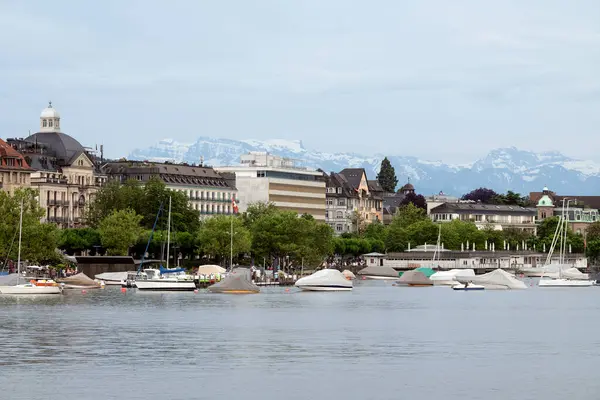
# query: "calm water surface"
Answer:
x=377 y=342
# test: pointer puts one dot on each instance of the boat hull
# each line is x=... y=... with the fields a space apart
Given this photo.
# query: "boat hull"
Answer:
x=380 y=278
x=467 y=288
x=165 y=285
x=564 y=283
x=30 y=289
x=325 y=288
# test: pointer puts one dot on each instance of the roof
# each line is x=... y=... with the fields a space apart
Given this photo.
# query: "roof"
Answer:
x=353 y=175
x=545 y=201
x=463 y=208
x=589 y=201
x=60 y=145
x=7 y=152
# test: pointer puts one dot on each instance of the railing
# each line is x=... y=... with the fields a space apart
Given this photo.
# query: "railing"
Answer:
x=51 y=202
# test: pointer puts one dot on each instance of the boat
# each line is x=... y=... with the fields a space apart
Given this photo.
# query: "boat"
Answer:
x=34 y=286
x=449 y=278
x=467 y=287
x=80 y=281
x=238 y=281
x=113 y=278
x=497 y=279
x=378 y=272
x=562 y=274
x=414 y=278
x=325 y=280
x=163 y=279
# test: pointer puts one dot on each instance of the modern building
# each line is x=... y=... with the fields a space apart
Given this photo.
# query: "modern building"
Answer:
x=262 y=177
x=352 y=201
x=14 y=170
x=582 y=210
x=498 y=217
x=209 y=192
x=66 y=174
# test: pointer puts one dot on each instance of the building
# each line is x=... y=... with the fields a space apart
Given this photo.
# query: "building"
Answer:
x=14 y=170
x=262 y=177
x=352 y=200
x=582 y=211
x=439 y=199
x=209 y=192
x=498 y=217
x=65 y=173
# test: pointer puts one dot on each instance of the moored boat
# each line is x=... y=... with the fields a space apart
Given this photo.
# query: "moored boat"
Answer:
x=467 y=287
x=325 y=280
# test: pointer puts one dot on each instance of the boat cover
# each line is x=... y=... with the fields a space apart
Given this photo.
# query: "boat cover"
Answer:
x=9 y=280
x=325 y=278
x=426 y=271
x=414 y=277
x=210 y=270
x=348 y=274
x=575 y=274
x=238 y=281
x=567 y=271
x=112 y=276
x=497 y=279
x=378 y=271
x=164 y=270
x=79 y=279
x=451 y=275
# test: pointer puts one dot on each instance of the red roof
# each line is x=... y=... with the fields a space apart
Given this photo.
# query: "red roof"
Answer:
x=7 y=152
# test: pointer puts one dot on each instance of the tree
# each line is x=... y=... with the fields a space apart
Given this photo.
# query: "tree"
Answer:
x=78 y=239
x=593 y=231
x=387 y=176
x=119 y=231
x=482 y=194
x=414 y=199
x=408 y=215
x=214 y=237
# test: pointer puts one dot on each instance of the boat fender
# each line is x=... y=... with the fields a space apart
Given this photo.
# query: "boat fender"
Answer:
x=123 y=290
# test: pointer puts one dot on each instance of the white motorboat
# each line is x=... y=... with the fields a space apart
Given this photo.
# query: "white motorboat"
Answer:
x=450 y=278
x=560 y=282
x=562 y=275
x=325 y=280
x=467 y=287
x=112 y=278
x=34 y=286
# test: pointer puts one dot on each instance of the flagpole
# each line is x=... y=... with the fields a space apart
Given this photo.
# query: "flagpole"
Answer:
x=231 y=247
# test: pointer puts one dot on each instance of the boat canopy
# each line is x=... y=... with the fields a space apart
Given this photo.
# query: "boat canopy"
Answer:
x=378 y=271
x=239 y=281
x=497 y=279
x=211 y=270
x=414 y=277
x=164 y=270
x=426 y=271
x=452 y=274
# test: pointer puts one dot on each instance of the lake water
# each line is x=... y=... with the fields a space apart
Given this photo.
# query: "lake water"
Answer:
x=376 y=342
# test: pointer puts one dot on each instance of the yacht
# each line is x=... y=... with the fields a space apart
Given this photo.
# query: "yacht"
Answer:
x=325 y=280
x=34 y=286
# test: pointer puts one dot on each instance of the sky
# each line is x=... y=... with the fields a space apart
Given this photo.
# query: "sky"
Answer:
x=438 y=79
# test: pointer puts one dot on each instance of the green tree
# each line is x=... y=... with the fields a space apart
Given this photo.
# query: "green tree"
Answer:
x=214 y=237
x=408 y=215
x=593 y=231
x=376 y=230
x=387 y=176
x=78 y=239
x=119 y=231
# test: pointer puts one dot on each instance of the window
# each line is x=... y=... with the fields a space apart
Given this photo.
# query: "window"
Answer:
x=56 y=124
x=329 y=202
x=341 y=202
x=339 y=227
x=339 y=215
x=260 y=174
x=339 y=190
x=44 y=123
x=326 y=214
x=50 y=123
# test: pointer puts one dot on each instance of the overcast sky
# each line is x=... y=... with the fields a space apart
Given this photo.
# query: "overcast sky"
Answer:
x=438 y=79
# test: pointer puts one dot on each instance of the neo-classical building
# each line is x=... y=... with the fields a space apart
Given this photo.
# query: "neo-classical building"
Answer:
x=582 y=210
x=352 y=200
x=64 y=172
x=208 y=191
x=262 y=177
x=14 y=170
x=498 y=217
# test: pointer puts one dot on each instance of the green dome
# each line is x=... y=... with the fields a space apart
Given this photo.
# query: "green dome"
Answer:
x=545 y=201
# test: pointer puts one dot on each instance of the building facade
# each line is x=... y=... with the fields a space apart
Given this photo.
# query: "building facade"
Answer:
x=65 y=174
x=352 y=201
x=582 y=210
x=262 y=177
x=14 y=170
x=498 y=217
x=208 y=192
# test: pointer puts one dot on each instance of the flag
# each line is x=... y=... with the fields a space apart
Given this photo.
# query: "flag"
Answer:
x=234 y=205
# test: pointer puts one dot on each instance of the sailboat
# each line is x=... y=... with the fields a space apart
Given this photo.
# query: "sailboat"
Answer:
x=164 y=279
x=45 y=286
x=561 y=280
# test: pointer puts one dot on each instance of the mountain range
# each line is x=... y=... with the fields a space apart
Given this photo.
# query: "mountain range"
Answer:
x=501 y=169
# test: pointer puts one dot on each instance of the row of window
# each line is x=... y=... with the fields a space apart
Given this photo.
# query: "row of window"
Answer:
x=285 y=175
x=49 y=123
x=213 y=209
x=201 y=195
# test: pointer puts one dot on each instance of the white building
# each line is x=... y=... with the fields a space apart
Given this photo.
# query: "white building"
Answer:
x=262 y=177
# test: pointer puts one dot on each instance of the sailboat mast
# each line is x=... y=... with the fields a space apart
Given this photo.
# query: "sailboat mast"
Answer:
x=168 y=232
x=231 y=246
x=19 y=252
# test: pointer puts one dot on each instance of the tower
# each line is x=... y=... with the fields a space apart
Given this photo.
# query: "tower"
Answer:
x=545 y=206
x=49 y=119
